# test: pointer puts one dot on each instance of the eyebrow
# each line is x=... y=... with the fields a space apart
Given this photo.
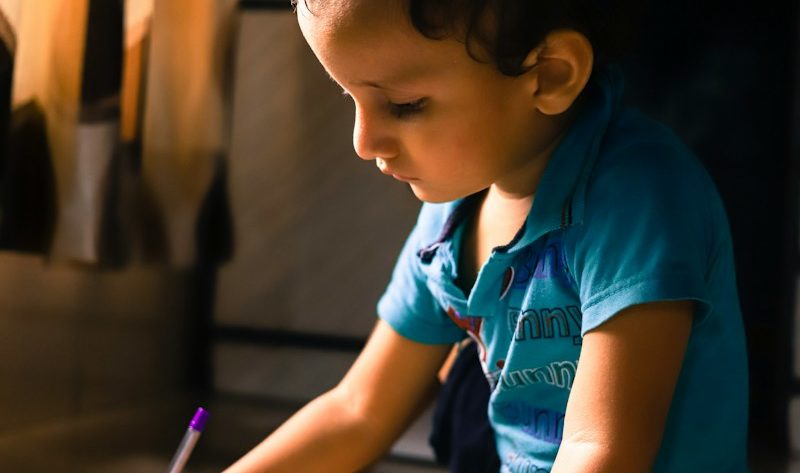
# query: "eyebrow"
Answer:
x=400 y=77
x=369 y=83
x=366 y=83
x=395 y=81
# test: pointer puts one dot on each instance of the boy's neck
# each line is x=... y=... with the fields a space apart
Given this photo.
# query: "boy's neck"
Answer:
x=520 y=186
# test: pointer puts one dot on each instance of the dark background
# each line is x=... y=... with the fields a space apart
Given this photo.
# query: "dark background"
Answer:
x=723 y=76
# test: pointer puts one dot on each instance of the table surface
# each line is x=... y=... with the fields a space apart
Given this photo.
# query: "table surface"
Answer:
x=143 y=438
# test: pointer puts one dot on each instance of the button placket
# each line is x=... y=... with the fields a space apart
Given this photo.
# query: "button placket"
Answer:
x=484 y=298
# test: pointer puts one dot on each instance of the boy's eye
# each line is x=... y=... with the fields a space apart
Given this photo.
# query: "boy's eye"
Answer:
x=404 y=110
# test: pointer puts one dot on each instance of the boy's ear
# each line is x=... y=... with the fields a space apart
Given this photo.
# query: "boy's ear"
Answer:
x=558 y=70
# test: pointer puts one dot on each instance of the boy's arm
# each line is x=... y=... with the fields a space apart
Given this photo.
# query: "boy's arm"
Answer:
x=353 y=424
x=623 y=388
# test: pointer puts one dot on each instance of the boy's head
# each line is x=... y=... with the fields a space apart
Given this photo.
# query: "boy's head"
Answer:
x=506 y=30
x=454 y=96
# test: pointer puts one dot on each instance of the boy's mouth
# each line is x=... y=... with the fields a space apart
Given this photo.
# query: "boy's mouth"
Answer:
x=384 y=168
x=403 y=178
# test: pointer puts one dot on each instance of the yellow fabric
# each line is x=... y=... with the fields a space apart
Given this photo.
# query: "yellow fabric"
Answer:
x=186 y=124
x=173 y=98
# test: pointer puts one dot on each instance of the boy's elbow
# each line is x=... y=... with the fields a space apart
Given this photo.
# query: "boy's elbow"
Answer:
x=373 y=429
x=596 y=456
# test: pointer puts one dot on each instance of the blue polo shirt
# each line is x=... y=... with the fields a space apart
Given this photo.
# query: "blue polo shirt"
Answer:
x=623 y=215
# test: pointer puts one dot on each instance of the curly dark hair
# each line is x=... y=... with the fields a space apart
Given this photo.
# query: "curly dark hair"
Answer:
x=518 y=26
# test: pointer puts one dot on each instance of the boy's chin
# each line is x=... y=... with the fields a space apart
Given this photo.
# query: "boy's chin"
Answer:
x=432 y=196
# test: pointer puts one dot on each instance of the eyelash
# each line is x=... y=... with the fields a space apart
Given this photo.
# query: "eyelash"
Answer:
x=401 y=110
x=406 y=110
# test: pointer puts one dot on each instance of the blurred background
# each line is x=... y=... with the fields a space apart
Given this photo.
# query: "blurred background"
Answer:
x=183 y=221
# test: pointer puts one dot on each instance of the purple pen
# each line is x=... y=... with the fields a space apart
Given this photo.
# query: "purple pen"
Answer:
x=189 y=440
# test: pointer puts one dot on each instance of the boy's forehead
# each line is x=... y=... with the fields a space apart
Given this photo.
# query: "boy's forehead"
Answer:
x=338 y=14
x=386 y=72
x=373 y=48
x=397 y=76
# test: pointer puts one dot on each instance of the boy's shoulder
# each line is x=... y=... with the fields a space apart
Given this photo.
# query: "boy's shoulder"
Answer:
x=639 y=151
x=645 y=173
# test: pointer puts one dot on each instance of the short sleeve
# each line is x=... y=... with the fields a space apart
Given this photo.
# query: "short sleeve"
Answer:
x=407 y=305
x=646 y=234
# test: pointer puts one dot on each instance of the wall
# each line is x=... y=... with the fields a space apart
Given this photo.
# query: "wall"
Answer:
x=317 y=229
x=75 y=341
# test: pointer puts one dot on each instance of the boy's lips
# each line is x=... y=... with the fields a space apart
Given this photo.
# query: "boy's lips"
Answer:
x=389 y=172
x=399 y=177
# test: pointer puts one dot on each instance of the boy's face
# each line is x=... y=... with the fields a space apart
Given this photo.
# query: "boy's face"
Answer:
x=426 y=112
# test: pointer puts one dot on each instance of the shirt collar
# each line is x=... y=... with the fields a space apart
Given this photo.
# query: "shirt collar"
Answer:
x=559 y=198
x=559 y=201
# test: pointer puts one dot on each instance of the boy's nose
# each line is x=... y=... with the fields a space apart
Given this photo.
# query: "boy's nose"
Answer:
x=372 y=139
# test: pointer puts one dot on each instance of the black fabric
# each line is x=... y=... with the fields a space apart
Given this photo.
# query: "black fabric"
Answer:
x=462 y=437
x=6 y=76
x=214 y=229
x=132 y=229
x=28 y=184
x=102 y=65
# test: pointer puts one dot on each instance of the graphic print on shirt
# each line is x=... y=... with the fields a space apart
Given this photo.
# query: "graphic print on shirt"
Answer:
x=538 y=422
x=472 y=325
x=546 y=323
x=516 y=463
x=544 y=261
x=559 y=374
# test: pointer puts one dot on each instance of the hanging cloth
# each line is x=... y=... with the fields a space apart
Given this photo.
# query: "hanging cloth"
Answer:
x=27 y=182
x=96 y=132
x=186 y=122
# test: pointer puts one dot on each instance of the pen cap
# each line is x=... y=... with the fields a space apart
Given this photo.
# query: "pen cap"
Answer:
x=198 y=422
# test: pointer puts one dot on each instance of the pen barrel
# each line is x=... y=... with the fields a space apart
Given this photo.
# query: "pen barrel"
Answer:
x=184 y=450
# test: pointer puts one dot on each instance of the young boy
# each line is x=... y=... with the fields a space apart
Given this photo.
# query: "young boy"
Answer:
x=580 y=245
